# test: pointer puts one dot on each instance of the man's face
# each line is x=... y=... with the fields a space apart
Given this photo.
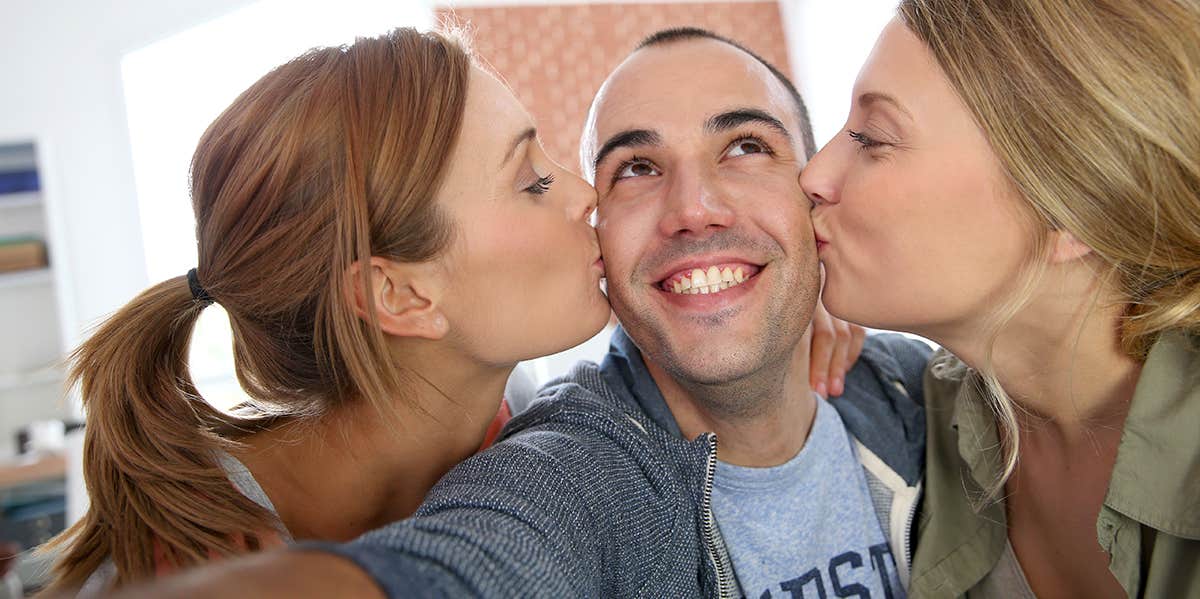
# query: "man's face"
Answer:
x=697 y=149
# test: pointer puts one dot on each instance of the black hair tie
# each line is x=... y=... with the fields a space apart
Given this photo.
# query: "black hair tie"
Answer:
x=199 y=293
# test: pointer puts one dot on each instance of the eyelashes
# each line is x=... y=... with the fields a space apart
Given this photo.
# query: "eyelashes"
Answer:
x=542 y=185
x=864 y=141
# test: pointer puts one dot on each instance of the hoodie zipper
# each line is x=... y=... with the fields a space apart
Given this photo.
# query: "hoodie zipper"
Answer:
x=712 y=541
x=909 y=522
x=912 y=514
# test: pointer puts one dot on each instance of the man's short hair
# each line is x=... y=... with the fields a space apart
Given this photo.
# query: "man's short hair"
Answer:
x=678 y=34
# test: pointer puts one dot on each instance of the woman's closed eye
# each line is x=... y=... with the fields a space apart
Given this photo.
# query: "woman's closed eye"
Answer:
x=864 y=141
x=541 y=185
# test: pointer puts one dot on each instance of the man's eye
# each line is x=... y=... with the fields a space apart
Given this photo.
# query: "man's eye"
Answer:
x=747 y=145
x=636 y=168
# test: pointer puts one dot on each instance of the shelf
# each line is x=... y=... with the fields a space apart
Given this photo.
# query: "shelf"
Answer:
x=21 y=380
x=24 y=199
x=26 y=278
x=32 y=469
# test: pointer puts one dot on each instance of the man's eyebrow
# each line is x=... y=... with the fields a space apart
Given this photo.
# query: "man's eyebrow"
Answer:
x=740 y=116
x=868 y=98
x=630 y=138
x=520 y=138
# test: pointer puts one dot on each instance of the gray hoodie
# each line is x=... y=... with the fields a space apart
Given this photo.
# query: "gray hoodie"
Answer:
x=594 y=492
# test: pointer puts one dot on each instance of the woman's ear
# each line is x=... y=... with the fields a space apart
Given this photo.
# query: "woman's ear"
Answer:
x=406 y=297
x=1065 y=247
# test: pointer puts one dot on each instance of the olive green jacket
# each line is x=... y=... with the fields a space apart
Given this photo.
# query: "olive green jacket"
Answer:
x=1149 y=523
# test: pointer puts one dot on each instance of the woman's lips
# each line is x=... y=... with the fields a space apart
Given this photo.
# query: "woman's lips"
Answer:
x=821 y=241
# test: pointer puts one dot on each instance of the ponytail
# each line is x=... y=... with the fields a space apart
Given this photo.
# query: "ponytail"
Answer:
x=157 y=491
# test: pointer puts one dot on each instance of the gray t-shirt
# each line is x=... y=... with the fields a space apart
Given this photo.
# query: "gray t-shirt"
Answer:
x=806 y=528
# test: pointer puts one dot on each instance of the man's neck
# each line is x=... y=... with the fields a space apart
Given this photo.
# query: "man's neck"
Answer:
x=770 y=428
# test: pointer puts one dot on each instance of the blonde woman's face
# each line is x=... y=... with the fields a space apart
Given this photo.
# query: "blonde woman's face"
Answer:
x=524 y=267
x=916 y=224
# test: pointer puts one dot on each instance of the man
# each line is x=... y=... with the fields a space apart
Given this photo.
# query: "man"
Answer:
x=696 y=180
x=612 y=484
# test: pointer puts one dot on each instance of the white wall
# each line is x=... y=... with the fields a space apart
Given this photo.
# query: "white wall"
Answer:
x=61 y=86
x=828 y=41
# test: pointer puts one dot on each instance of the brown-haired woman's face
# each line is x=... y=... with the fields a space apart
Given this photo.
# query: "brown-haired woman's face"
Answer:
x=525 y=265
x=916 y=222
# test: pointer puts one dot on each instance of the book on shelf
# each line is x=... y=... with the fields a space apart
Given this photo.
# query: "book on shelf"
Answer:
x=17 y=157
x=22 y=253
x=18 y=168
x=19 y=181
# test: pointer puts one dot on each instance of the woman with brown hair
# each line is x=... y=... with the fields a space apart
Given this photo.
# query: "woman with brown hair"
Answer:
x=389 y=239
x=1019 y=180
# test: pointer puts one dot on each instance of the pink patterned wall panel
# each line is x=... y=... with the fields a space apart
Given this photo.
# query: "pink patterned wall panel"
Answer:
x=555 y=57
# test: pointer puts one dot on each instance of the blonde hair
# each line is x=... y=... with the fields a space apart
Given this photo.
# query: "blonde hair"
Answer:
x=1092 y=107
x=329 y=159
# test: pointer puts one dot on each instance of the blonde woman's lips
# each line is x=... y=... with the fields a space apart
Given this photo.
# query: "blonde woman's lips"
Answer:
x=822 y=242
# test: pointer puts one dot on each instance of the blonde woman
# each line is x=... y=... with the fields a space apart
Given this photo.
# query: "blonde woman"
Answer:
x=1019 y=180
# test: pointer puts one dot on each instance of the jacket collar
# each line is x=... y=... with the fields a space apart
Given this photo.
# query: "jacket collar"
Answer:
x=1156 y=479
x=978 y=439
x=626 y=374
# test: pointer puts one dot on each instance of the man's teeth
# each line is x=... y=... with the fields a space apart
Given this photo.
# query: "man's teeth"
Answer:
x=709 y=281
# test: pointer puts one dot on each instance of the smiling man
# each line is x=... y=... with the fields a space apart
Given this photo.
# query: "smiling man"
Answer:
x=612 y=485
x=706 y=236
x=713 y=273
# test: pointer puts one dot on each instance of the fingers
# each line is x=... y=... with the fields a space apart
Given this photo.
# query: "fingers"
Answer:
x=824 y=342
x=836 y=346
x=838 y=364
x=858 y=336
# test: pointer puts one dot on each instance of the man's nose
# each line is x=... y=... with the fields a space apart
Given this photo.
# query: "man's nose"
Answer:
x=695 y=205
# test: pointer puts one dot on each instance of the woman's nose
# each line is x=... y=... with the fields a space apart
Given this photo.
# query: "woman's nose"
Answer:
x=817 y=180
x=583 y=199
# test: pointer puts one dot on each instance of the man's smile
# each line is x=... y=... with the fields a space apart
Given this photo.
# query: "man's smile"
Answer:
x=714 y=278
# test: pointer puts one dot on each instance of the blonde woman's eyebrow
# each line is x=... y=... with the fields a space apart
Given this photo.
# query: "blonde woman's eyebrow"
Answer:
x=866 y=99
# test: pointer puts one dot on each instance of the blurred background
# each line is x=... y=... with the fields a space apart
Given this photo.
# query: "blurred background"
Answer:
x=102 y=105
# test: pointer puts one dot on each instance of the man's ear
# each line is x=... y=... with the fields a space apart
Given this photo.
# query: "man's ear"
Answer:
x=1065 y=247
x=406 y=297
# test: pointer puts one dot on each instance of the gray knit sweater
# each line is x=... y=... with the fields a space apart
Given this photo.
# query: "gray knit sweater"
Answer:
x=594 y=492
